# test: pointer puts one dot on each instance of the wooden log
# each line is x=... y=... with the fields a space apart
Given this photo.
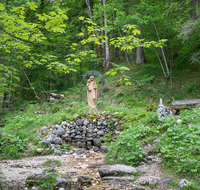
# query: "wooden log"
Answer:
x=54 y=95
x=182 y=102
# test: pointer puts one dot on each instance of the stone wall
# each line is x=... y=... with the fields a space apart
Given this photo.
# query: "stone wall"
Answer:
x=84 y=132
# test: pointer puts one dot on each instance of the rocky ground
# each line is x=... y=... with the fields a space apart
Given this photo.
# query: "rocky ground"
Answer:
x=83 y=167
x=86 y=170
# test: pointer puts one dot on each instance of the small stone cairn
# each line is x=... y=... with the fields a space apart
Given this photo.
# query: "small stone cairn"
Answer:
x=83 y=133
x=163 y=111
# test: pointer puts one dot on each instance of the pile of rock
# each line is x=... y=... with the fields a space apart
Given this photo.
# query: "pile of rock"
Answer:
x=83 y=133
x=163 y=111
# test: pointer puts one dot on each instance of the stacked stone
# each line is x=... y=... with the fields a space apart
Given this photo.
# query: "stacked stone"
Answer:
x=82 y=133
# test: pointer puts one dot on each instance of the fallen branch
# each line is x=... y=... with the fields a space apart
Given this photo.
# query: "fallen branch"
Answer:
x=53 y=95
x=138 y=83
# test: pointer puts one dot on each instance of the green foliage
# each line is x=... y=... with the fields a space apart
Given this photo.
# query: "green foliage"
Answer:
x=47 y=183
x=64 y=147
x=49 y=163
x=12 y=146
x=24 y=128
x=127 y=148
x=182 y=153
x=191 y=87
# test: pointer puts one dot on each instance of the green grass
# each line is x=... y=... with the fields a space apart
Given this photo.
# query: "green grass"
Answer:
x=49 y=163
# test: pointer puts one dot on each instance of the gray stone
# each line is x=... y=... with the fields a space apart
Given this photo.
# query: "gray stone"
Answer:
x=105 y=123
x=84 y=128
x=34 y=188
x=89 y=139
x=89 y=135
x=90 y=130
x=94 y=135
x=97 y=142
x=64 y=183
x=89 y=145
x=84 y=180
x=95 y=130
x=50 y=139
x=166 y=181
x=148 y=181
x=78 y=133
x=135 y=187
x=109 y=170
x=58 y=140
x=44 y=129
x=65 y=135
x=99 y=127
x=59 y=131
x=90 y=126
x=115 y=124
x=100 y=133
x=150 y=157
x=78 y=137
x=64 y=123
x=99 y=122
x=81 y=145
x=104 y=149
x=95 y=148
x=163 y=111
x=56 y=151
x=97 y=136
x=73 y=135
x=56 y=126
x=121 y=178
x=182 y=183
x=45 y=143
x=79 y=122
x=53 y=136
x=68 y=139
x=116 y=132
x=85 y=122
x=39 y=150
x=73 y=131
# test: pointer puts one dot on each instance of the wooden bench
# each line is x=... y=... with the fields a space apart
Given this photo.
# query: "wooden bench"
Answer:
x=185 y=102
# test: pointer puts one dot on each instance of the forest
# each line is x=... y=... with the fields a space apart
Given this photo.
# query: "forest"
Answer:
x=145 y=50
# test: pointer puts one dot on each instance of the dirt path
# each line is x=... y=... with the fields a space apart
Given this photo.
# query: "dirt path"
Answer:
x=16 y=171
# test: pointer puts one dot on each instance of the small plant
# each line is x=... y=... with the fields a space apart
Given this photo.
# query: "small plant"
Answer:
x=1 y=180
x=64 y=147
x=107 y=138
x=50 y=163
x=64 y=175
x=49 y=182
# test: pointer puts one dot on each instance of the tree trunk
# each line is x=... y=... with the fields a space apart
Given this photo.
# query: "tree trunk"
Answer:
x=1 y=96
x=81 y=69
x=74 y=80
x=140 y=55
x=93 y=32
x=58 y=79
x=115 y=33
x=106 y=34
x=103 y=44
x=193 y=14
